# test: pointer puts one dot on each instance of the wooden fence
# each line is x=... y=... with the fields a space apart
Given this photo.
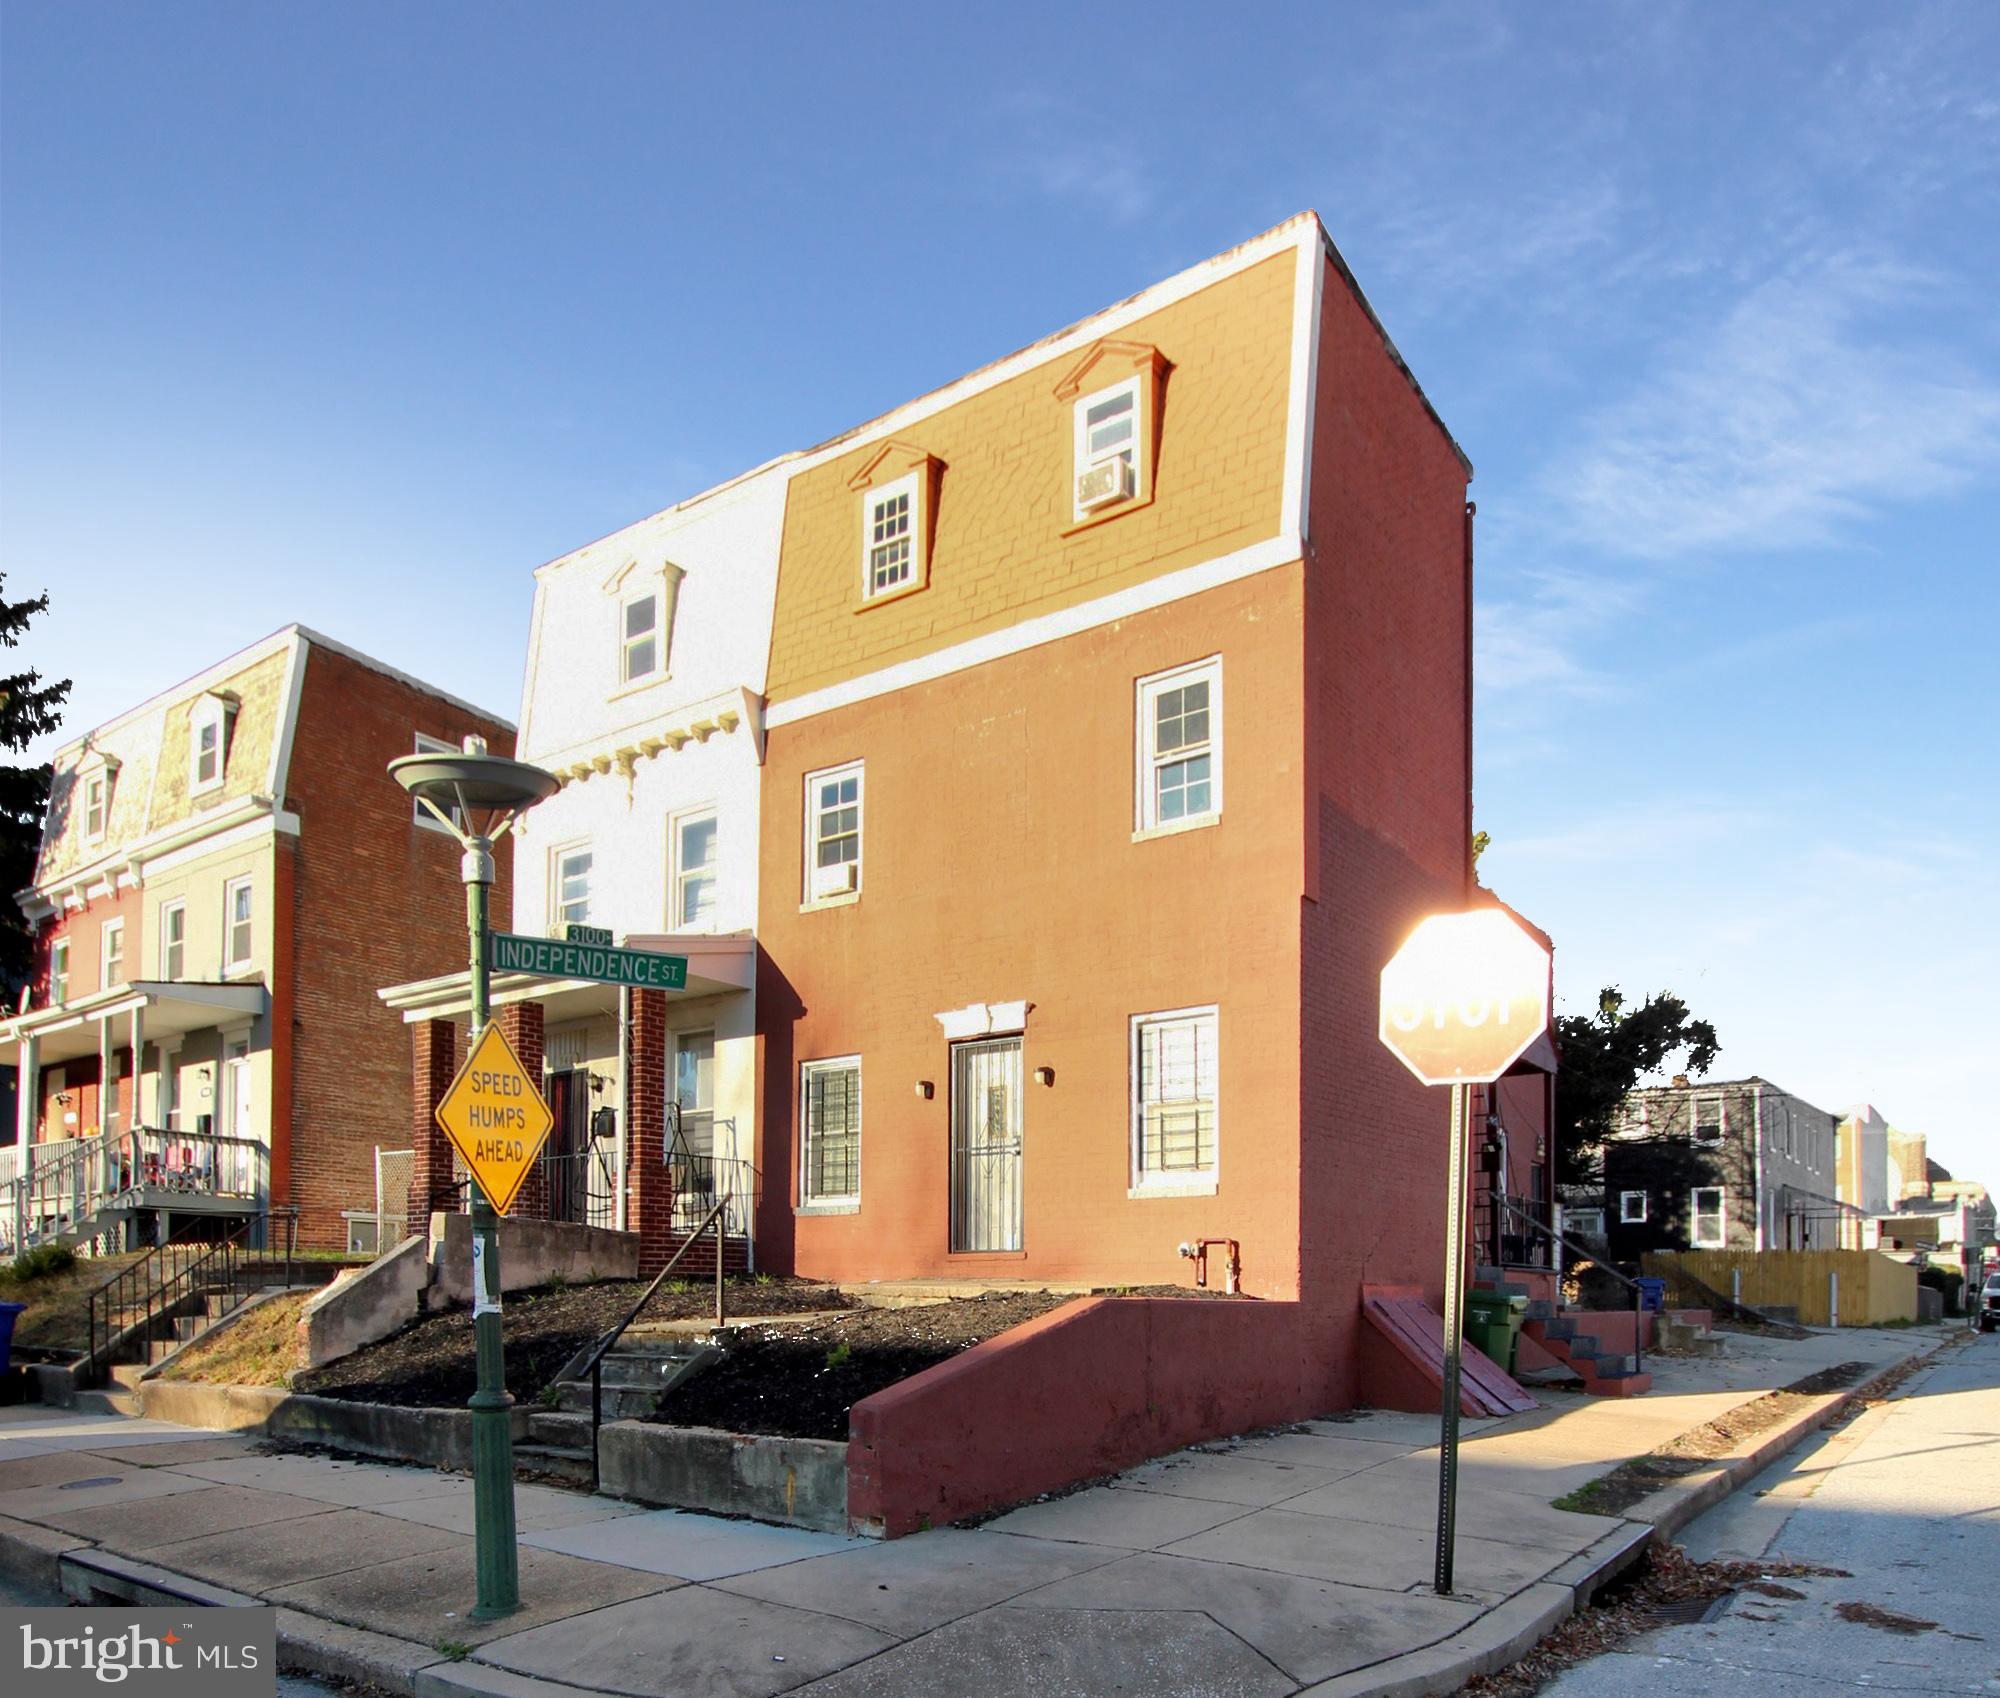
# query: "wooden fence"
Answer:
x=1873 y=1287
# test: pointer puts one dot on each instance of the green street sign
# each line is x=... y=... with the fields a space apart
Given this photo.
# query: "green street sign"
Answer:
x=556 y=958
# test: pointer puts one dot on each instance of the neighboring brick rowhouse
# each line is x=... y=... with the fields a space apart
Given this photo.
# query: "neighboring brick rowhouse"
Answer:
x=378 y=901
x=521 y=1025
x=433 y=1065
x=649 y=1185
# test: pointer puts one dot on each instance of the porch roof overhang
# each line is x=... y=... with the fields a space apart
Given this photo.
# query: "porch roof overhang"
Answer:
x=167 y=1009
x=717 y=966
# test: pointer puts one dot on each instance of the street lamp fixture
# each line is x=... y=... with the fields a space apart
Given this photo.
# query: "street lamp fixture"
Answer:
x=476 y=796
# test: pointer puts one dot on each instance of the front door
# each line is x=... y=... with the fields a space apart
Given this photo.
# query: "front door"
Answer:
x=242 y=1110
x=986 y=1145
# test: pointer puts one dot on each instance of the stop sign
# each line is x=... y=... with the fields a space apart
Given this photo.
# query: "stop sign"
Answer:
x=1464 y=997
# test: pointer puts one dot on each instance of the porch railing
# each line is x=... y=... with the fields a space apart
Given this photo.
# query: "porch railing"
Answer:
x=701 y=1182
x=70 y=1180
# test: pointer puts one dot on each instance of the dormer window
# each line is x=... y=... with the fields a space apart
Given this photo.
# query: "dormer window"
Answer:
x=1107 y=447
x=640 y=640
x=1114 y=393
x=96 y=805
x=898 y=487
x=208 y=742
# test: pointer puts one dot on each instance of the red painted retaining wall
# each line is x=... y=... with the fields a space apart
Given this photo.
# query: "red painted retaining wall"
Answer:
x=1087 y=1389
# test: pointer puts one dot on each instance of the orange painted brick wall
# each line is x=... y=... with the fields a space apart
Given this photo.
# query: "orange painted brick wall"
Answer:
x=998 y=864
x=1004 y=503
x=1386 y=626
x=376 y=901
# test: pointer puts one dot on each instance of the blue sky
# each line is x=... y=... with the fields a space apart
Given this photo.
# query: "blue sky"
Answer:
x=353 y=314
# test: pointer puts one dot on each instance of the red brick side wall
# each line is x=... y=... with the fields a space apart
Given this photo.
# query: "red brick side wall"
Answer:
x=377 y=901
x=433 y=1065
x=522 y=1024
x=649 y=1188
x=1386 y=630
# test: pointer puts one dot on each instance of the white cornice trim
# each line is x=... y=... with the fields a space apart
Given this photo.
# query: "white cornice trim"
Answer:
x=1275 y=551
x=161 y=842
x=288 y=726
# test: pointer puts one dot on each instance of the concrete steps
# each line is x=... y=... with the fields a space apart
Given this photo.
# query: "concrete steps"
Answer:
x=567 y=1463
x=1604 y=1372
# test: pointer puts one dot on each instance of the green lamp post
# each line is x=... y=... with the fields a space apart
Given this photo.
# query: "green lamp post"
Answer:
x=476 y=796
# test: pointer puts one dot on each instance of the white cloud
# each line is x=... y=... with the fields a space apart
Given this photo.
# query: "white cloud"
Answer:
x=1802 y=412
x=1529 y=638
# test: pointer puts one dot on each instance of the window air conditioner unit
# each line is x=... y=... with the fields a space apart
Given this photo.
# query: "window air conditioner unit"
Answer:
x=1106 y=482
x=835 y=880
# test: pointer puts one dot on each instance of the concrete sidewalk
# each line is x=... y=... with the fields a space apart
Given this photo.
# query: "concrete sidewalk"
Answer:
x=1289 y=1562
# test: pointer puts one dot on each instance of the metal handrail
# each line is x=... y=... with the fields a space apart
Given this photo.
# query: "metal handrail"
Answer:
x=70 y=1179
x=210 y=1265
x=1638 y=1291
x=595 y=1361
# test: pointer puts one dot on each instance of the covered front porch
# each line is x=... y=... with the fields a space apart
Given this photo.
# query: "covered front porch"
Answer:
x=652 y=1091
x=135 y=1107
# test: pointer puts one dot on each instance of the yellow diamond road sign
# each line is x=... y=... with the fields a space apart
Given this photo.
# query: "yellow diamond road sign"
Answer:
x=495 y=1117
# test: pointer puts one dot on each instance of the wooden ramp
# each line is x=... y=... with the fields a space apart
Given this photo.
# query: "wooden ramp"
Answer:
x=1415 y=1333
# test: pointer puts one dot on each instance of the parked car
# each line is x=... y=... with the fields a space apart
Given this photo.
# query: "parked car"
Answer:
x=1988 y=1316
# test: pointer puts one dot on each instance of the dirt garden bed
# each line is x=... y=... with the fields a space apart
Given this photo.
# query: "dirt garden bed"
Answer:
x=801 y=1381
x=430 y=1363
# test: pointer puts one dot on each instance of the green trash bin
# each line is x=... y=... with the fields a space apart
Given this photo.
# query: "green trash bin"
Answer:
x=1493 y=1324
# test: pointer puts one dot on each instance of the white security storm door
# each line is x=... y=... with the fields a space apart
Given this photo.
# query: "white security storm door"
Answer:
x=242 y=1108
x=694 y=1090
x=986 y=1145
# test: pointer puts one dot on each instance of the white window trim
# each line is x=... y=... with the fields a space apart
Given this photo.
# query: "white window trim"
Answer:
x=210 y=710
x=823 y=894
x=230 y=964
x=1082 y=460
x=1720 y=1211
x=99 y=779
x=425 y=744
x=167 y=912
x=1721 y=1117
x=1198 y=1184
x=578 y=846
x=105 y=934
x=676 y=872
x=846 y=1205
x=59 y=953
x=656 y=594
x=1145 y=794
x=1625 y=1215
x=913 y=578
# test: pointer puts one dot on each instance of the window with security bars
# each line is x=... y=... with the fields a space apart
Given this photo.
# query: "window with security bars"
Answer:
x=830 y=1131
x=889 y=537
x=1180 y=746
x=1174 y=1096
x=833 y=831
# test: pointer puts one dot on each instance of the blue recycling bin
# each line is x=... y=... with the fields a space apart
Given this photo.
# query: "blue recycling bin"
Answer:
x=1652 y=1295
x=7 y=1313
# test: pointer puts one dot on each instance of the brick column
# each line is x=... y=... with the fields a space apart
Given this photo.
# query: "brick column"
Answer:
x=649 y=1193
x=434 y=1060
x=521 y=1024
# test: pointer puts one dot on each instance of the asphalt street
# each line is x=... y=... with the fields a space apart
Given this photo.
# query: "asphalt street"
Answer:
x=1906 y=1498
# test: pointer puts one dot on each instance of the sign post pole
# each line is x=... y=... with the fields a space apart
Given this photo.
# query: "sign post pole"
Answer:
x=495 y=1557
x=1454 y=1336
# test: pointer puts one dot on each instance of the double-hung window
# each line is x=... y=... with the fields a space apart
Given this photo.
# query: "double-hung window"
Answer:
x=59 y=971
x=695 y=867
x=208 y=743
x=1708 y=1120
x=1174 y=1087
x=237 y=934
x=889 y=537
x=830 y=1133
x=1107 y=447
x=96 y=804
x=1705 y=1208
x=1179 y=781
x=571 y=870
x=639 y=637
x=111 y=956
x=173 y=940
x=833 y=832
x=428 y=745
x=1632 y=1208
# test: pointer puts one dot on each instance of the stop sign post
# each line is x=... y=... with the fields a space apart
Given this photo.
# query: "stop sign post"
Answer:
x=1462 y=1000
